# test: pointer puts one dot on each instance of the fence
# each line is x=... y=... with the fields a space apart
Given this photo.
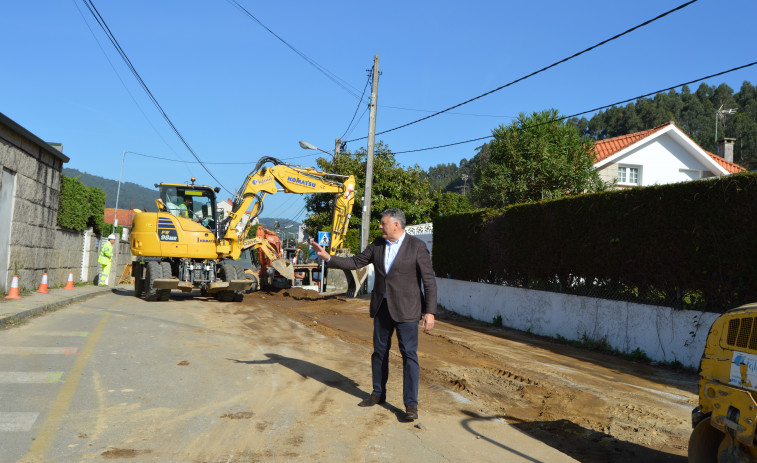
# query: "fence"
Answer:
x=72 y=252
x=662 y=333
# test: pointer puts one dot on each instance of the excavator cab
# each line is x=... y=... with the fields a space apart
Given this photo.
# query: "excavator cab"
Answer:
x=193 y=202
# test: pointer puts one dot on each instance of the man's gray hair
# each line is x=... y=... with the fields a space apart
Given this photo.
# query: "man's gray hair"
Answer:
x=397 y=215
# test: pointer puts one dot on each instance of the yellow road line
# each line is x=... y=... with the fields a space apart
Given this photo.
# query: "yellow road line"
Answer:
x=44 y=439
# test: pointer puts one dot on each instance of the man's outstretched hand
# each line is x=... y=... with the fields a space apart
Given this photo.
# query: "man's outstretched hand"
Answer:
x=320 y=252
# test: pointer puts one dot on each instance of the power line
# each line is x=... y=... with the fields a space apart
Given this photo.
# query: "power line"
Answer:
x=190 y=162
x=107 y=58
x=329 y=75
x=357 y=123
x=540 y=70
x=588 y=111
x=358 y=106
x=455 y=113
x=101 y=22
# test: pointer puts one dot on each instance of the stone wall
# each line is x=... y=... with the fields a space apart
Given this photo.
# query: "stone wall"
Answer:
x=33 y=225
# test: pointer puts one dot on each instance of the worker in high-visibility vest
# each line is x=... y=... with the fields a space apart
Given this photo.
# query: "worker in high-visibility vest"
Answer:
x=105 y=259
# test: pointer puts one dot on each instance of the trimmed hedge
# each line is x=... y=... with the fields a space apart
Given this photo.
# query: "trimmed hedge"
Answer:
x=686 y=245
x=80 y=206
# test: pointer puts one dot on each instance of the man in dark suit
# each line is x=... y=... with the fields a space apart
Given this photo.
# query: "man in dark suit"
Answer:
x=402 y=266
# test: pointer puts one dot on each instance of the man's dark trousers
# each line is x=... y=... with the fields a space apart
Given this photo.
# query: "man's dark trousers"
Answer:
x=407 y=336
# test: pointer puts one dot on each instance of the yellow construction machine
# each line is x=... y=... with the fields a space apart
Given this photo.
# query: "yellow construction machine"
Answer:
x=186 y=245
x=725 y=420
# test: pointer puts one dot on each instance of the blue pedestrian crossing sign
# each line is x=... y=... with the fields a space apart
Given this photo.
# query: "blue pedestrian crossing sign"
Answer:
x=324 y=238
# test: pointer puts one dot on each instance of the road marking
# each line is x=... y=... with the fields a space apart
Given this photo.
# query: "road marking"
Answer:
x=14 y=350
x=30 y=377
x=49 y=428
x=81 y=334
x=17 y=421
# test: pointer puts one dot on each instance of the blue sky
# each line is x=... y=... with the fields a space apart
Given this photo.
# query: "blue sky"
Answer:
x=237 y=93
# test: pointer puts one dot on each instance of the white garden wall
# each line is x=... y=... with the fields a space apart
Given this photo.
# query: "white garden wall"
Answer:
x=662 y=333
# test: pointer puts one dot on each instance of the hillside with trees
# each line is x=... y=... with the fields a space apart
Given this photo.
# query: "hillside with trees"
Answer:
x=694 y=113
x=131 y=195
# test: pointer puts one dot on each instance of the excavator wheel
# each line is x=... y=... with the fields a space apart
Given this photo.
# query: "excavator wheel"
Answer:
x=154 y=271
x=230 y=272
x=139 y=285
x=704 y=443
x=165 y=294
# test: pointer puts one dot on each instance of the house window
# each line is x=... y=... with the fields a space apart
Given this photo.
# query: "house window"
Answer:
x=628 y=175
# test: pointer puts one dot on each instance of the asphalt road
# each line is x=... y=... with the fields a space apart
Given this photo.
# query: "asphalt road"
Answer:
x=189 y=380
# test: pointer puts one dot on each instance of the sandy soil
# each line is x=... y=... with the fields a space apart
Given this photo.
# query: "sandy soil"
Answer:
x=591 y=406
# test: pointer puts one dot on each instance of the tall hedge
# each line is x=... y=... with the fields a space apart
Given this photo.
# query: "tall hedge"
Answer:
x=80 y=206
x=692 y=243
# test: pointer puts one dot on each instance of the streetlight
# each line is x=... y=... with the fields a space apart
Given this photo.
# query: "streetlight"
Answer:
x=307 y=146
x=118 y=192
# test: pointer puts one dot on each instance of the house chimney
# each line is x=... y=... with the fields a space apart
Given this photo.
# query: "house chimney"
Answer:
x=725 y=148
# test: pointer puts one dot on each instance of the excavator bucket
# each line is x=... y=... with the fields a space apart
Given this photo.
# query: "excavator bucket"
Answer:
x=355 y=280
x=285 y=268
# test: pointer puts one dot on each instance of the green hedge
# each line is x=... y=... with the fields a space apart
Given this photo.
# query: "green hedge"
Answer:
x=686 y=245
x=80 y=206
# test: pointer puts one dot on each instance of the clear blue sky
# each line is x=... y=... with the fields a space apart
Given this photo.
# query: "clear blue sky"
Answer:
x=237 y=93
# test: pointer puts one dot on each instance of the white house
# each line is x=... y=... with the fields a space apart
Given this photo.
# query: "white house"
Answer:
x=661 y=155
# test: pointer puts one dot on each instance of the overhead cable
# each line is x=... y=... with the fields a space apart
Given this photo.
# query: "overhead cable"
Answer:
x=358 y=105
x=131 y=95
x=540 y=70
x=96 y=14
x=330 y=75
x=588 y=111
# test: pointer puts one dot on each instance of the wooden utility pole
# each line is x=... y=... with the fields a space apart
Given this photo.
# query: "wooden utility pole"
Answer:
x=365 y=224
x=337 y=147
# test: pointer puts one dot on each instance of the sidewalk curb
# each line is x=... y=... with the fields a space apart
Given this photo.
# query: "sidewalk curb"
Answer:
x=30 y=312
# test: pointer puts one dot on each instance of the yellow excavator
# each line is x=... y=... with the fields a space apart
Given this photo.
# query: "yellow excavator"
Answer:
x=725 y=421
x=186 y=245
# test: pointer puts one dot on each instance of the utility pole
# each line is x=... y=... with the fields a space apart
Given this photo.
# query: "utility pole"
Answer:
x=337 y=147
x=365 y=224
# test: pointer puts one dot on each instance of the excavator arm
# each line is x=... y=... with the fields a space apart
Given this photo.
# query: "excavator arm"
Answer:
x=288 y=178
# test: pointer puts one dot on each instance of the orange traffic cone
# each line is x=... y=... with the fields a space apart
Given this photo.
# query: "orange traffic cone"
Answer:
x=13 y=293
x=43 y=285
x=70 y=282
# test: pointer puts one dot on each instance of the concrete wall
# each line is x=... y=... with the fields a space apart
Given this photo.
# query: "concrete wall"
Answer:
x=32 y=231
x=664 y=334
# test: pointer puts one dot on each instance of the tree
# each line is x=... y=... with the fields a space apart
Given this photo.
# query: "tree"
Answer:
x=394 y=186
x=533 y=159
x=448 y=203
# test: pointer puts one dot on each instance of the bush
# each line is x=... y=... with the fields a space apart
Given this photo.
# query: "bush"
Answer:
x=685 y=245
x=80 y=206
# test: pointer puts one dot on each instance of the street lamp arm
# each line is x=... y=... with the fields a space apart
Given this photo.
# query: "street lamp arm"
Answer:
x=307 y=146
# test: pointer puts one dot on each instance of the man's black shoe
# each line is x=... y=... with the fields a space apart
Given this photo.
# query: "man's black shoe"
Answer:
x=411 y=413
x=372 y=400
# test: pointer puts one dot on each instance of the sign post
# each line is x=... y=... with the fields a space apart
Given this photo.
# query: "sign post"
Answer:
x=324 y=239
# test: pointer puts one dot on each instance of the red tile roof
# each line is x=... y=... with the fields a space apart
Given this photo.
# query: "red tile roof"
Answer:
x=610 y=146
x=125 y=216
x=731 y=167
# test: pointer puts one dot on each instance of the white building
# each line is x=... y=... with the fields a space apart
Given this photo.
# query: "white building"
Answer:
x=661 y=155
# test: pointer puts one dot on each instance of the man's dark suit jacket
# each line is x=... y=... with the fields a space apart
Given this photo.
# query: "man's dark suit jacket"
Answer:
x=402 y=286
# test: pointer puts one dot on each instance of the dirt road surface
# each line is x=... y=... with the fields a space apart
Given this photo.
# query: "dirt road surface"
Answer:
x=590 y=406
x=277 y=378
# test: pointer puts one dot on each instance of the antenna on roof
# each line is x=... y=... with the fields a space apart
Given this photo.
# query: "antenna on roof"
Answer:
x=721 y=114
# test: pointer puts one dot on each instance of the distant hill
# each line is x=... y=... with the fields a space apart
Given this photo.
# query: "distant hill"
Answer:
x=136 y=196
